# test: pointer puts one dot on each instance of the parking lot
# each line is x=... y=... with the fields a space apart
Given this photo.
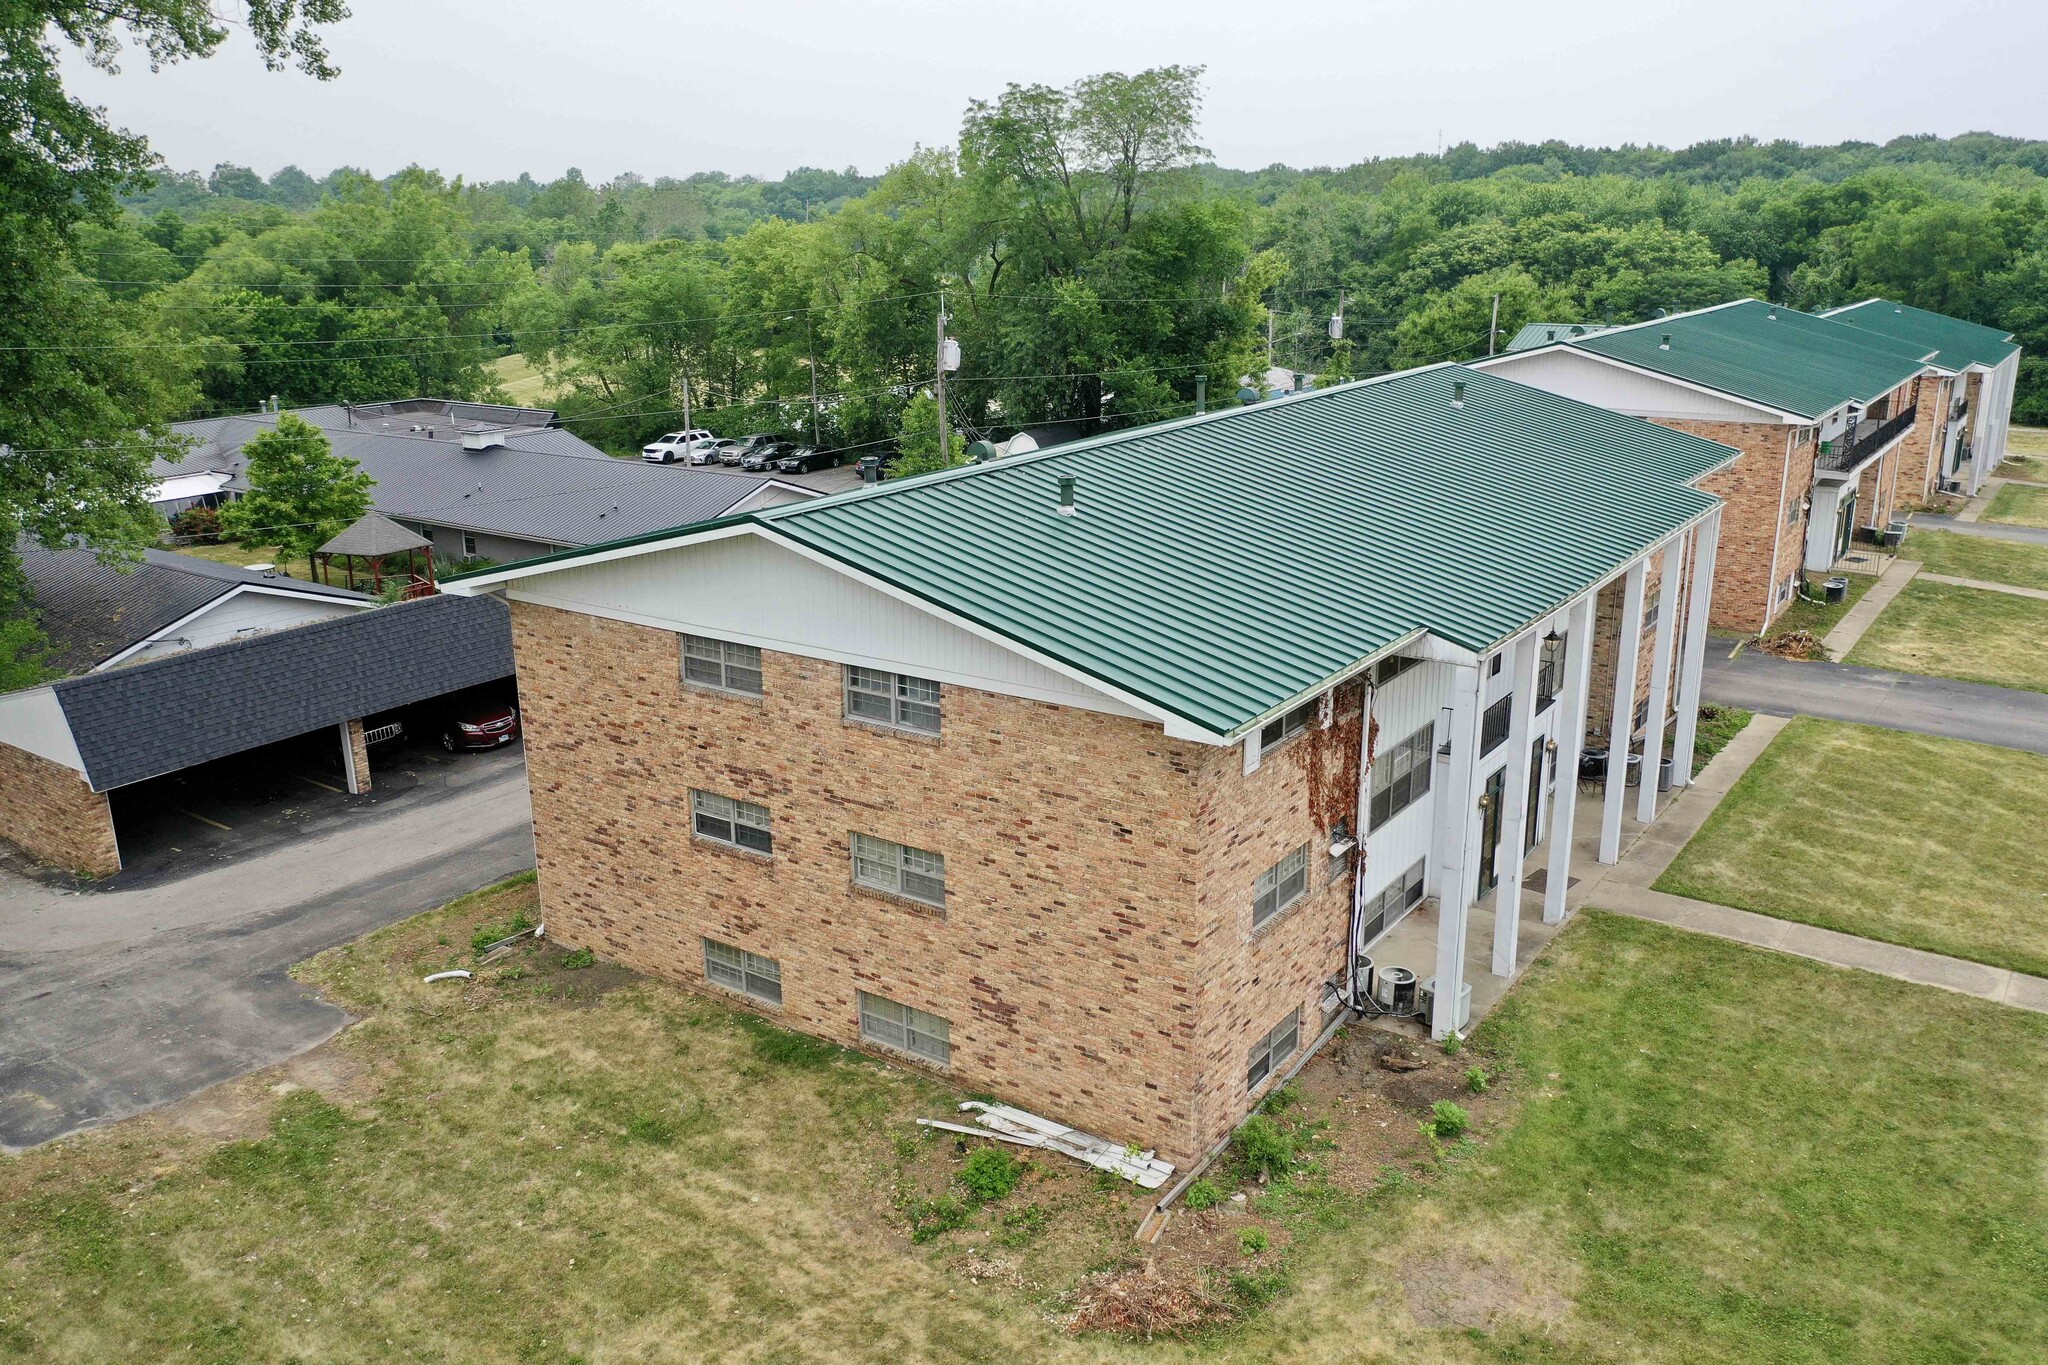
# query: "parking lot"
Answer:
x=824 y=480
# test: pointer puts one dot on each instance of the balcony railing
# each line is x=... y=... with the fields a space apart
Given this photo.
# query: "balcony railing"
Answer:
x=1864 y=440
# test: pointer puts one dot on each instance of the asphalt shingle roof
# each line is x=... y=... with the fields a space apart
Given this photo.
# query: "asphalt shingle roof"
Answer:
x=170 y=713
x=92 y=611
x=1768 y=353
x=373 y=536
x=1956 y=344
x=546 y=485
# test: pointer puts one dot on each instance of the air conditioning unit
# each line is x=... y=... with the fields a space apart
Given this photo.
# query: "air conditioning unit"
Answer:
x=1393 y=990
x=1426 y=1003
x=1362 y=979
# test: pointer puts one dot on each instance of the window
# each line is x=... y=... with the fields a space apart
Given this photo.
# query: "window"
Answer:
x=1340 y=863
x=1549 y=671
x=736 y=969
x=468 y=545
x=1278 y=732
x=892 y=699
x=905 y=1029
x=726 y=821
x=721 y=663
x=1651 y=608
x=898 y=870
x=1493 y=669
x=1642 y=715
x=1386 y=670
x=1383 y=911
x=1273 y=1049
x=1493 y=726
x=1280 y=886
x=1400 y=775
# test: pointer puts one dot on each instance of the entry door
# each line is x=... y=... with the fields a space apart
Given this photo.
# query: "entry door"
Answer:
x=1845 y=522
x=1489 y=831
x=1535 y=806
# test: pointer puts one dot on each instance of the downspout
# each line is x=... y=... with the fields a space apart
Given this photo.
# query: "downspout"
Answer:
x=1778 y=531
x=1368 y=736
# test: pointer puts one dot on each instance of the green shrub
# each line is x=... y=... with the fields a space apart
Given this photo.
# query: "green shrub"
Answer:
x=582 y=957
x=1453 y=1045
x=930 y=1218
x=1282 y=1099
x=487 y=934
x=1264 y=1147
x=1203 y=1194
x=990 y=1174
x=1476 y=1079
x=1251 y=1241
x=1446 y=1121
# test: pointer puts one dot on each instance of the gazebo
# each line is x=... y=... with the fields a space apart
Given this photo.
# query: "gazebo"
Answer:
x=374 y=539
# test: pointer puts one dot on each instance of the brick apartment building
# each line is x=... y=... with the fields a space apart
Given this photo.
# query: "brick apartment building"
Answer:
x=1083 y=775
x=1824 y=414
x=1964 y=399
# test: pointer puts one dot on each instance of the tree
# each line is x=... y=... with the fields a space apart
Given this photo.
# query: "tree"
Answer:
x=301 y=494
x=919 y=441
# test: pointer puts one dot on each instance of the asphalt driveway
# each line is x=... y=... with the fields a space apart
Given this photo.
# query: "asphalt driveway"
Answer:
x=114 y=1000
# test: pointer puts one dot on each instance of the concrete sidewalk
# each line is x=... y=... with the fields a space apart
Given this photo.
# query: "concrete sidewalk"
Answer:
x=2036 y=593
x=2029 y=535
x=1864 y=614
x=1627 y=889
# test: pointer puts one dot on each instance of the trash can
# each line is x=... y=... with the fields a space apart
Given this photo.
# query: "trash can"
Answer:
x=1635 y=771
x=1838 y=590
x=1664 y=771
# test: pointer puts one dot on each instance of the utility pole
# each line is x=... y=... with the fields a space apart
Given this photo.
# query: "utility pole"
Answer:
x=1269 y=345
x=1493 y=328
x=939 y=388
x=811 y=344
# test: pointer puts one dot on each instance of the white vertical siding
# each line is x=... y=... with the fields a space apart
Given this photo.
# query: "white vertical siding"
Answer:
x=1576 y=375
x=245 y=613
x=33 y=721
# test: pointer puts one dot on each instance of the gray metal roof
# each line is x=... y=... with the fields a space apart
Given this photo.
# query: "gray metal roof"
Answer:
x=543 y=484
x=373 y=536
x=136 y=723
x=92 y=611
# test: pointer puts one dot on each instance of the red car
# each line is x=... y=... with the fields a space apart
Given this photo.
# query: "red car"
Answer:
x=480 y=727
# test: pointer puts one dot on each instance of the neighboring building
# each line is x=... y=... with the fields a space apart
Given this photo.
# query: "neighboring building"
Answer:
x=1534 y=334
x=1822 y=412
x=481 y=480
x=1051 y=773
x=100 y=616
x=1965 y=398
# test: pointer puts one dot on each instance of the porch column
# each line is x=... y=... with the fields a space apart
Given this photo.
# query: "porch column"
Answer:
x=1461 y=818
x=1660 y=677
x=1621 y=719
x=1514 y=816
x=1571 y=739
x=1692 y=658
x=355 y=757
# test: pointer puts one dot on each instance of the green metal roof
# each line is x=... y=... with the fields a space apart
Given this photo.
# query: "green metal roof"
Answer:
x=1956 y=344
x=1769 y=354
x=1550 y=333
x=1220 y=566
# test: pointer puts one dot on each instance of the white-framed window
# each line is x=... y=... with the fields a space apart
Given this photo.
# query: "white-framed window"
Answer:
x=1651 y=607
x=1270 y=1051
x=1277 y=732
x=905 y=1029
x=899 y=869
x=736 y=969
x=1280 y=886
x=721 y=664
x=892 y=699
x=1386 y=670
x=1401 y=774
x=468 y=545
x=1386 y=909
x=726 y=821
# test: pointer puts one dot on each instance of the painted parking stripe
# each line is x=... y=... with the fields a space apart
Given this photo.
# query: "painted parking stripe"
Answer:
x=201 y=819
x=318 y=783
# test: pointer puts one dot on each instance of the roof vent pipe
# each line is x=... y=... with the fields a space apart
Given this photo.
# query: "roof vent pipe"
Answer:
x=1067 y=508
x=1458 y=393
x=1201 y=394
x=1665 y=344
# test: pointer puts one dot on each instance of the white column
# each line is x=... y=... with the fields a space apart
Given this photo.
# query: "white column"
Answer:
x=1507 y=896
x=1461 y=817
x=350 y=777
x=1692 y=658
x=1622 y=718
x=1660 y=677
x=1571 y=738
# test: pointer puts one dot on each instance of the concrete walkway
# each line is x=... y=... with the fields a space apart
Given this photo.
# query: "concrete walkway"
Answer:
x=2036 y=593
x=1974 y=508
x=1864 y=614
x=2005 y=716
x=2026 y=535
x=1626 y=889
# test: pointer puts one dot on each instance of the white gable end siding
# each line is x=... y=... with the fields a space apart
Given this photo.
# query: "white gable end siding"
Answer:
x=239 y=614
x=745 y=589
x=33 y=720
x=1572 y=375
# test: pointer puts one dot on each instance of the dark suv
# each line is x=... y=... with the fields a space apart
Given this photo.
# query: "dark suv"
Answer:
x=761 y=458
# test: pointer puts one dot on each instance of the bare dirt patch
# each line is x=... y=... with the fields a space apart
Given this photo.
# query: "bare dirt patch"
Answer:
x=240 y=1110
x=1457 y=1289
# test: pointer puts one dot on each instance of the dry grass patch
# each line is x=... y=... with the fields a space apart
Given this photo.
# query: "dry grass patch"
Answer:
x=1931 y=843
x=1973 y=634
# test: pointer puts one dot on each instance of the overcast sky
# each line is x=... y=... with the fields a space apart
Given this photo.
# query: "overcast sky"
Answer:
x=761 y=86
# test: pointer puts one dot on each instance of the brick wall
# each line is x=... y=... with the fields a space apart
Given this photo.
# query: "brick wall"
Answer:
x=1607 y=644
x=1760 y=548
x=1919 y=456
x=49 y=812
x=359 y=756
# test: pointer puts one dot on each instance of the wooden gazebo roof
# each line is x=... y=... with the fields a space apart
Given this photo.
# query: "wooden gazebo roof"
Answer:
x=372 y=537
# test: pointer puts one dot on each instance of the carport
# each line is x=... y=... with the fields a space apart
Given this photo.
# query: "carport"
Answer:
x=291 y=692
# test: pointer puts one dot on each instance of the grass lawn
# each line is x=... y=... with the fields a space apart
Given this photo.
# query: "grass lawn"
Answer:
x=1698 y=1152
x=1905 y=838
x=1975 y=634
x=1820 y=617
x=2029 y=468
x=230 y=553
x=1718 y=725
x=1734 y=1155
x=1979 y=557
x=2026 y=441
x=524 y=385
x=2018 y=504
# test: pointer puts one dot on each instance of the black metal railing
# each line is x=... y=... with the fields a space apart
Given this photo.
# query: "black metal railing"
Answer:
x=1866 y=439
